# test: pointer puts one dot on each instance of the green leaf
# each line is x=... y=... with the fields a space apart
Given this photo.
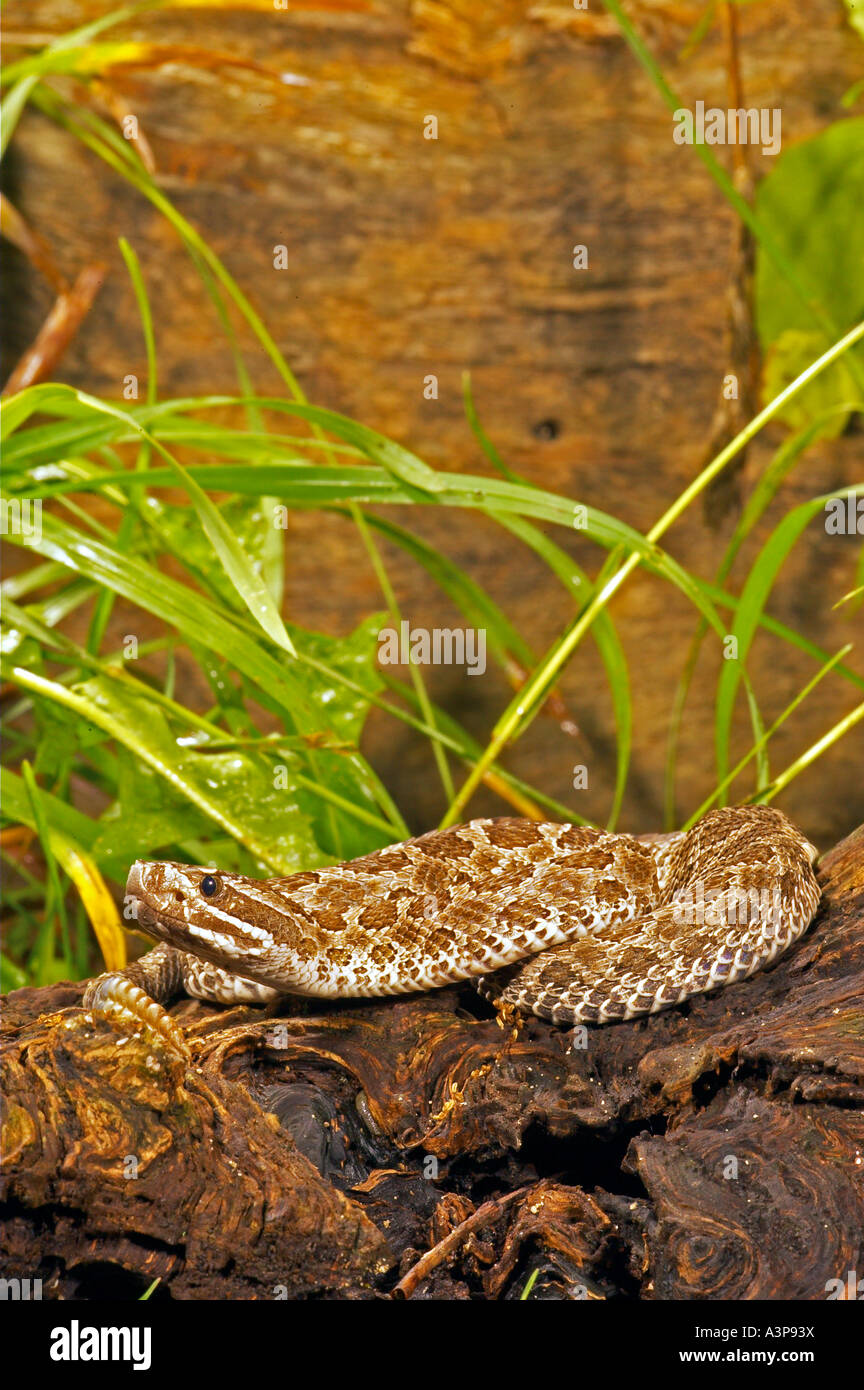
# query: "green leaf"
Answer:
x=754 y=596
x=249 y=585
x=312 y=697
x=824 y=398
x=175 y=603
x=146 y=835
x=11 y=975
x=811 y=204
x=60 y=735
x=855 y=11
x=55 y=900
x=234 y=790
x=17 y=409
x=354 y=657
x=60 y=816
x=179 y=528
x=147 y=816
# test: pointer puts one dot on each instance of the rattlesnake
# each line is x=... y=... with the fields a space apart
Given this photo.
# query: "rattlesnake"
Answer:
x=572 y=924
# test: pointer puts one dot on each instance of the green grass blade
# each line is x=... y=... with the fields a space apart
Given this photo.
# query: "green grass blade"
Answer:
x=15 y=101
x=58 y=815
x=525 y=798
x=526 y=703
x=604 y=633
x=505 y=640
x=233 y=791
x=193 y=615
x=754 y=596
x=249 y=585
x=55 y=900
x=766 y=489
x=417 y=681
x=805 y=293
x=814 y=752
x=778 y=722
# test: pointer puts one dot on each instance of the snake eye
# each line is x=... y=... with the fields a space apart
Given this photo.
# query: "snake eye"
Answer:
x=209 y=886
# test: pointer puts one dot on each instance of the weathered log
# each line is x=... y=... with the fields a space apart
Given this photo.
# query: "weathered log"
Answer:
x=416 y=1147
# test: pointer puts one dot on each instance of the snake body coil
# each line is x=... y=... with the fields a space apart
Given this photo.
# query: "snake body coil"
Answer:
x=572 y=924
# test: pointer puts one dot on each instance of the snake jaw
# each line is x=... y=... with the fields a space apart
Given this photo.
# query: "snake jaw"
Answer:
x=176 y=904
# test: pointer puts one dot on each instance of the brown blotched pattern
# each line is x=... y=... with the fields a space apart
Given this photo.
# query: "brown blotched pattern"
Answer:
x=736 y=891
x=571 y=924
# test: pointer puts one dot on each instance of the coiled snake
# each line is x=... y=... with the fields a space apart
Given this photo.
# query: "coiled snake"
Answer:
x=572 y=924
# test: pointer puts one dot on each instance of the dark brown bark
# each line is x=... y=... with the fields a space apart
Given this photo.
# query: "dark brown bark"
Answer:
x=415 y=1146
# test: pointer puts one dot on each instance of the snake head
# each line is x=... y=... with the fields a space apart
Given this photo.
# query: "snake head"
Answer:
x=220 y=917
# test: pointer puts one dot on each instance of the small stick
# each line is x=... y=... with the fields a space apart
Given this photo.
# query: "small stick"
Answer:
x=434 y=1257
x=57 y=332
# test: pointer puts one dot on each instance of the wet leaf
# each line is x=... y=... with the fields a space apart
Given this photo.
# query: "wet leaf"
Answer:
x=811 y=204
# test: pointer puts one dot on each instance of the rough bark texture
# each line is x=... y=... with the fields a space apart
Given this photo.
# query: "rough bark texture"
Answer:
x=410 y=256
x=414 y=1148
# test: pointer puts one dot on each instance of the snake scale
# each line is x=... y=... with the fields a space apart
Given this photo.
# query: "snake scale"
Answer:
x=572 y=924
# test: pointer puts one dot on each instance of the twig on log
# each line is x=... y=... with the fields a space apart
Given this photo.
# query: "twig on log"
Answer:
x=434 y=1257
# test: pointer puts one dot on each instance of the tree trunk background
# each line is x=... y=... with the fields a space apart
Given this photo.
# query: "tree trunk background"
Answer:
x=411 y=256
x=412 y=1147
